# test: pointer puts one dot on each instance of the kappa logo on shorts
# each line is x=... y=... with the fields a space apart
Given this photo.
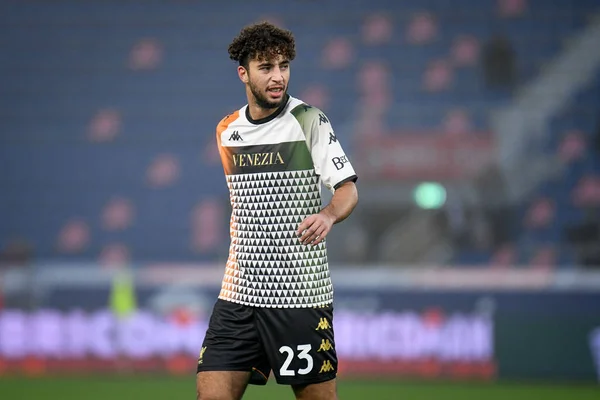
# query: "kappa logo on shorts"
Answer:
x=325 y=345
x=323 y=324
x=201 y=355
x=326 y=367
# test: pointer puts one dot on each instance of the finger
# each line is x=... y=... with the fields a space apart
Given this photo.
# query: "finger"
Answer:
x=309 y=229
x=320 y=237
x=318 y=231
x=304 y=225
x=309 y=234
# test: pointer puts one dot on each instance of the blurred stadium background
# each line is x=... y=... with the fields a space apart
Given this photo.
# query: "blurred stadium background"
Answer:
x=473 y=256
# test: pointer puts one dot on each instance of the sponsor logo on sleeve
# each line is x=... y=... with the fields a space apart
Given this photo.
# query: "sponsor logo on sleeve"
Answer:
x=339 y=162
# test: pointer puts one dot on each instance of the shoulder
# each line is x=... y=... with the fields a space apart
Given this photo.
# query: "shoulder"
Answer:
x=227 y=120
x=305 y=113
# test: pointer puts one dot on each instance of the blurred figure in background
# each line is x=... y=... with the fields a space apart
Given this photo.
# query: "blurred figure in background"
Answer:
x=17 y=254
x=597 y=136
x=499 y=63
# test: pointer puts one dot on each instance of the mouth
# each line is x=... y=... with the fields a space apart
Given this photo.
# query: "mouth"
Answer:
x=275 y=91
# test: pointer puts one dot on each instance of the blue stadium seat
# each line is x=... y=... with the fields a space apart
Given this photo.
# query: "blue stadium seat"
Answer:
x=67 y=60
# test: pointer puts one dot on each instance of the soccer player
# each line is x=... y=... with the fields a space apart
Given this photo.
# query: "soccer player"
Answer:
x=274 y=311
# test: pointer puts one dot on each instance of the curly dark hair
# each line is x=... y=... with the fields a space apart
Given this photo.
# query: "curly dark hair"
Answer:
x=262 y=41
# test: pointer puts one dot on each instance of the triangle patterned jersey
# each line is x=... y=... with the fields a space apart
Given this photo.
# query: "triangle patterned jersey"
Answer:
x=274 y=169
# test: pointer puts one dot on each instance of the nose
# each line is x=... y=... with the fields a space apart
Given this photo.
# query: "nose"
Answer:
x=277 y=75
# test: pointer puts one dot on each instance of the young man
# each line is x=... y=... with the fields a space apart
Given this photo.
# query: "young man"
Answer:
x=274 y=311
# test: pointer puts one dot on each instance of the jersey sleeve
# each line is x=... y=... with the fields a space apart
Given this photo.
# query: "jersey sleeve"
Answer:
x=221 y=127
x=330 y=161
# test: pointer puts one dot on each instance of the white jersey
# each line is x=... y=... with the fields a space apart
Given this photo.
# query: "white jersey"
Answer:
x=274 y=169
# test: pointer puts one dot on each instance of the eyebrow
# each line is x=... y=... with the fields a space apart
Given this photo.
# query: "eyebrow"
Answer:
x=270 y=64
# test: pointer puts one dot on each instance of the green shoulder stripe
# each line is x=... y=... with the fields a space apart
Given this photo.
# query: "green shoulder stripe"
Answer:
x=306 y=115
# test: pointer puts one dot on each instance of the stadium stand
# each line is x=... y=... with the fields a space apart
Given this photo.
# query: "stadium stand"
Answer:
x=109 y=108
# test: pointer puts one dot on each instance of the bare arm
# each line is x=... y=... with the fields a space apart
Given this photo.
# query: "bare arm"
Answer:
x=342 y=203
x=315 y=227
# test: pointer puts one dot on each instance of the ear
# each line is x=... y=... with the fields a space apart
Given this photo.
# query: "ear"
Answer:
x=243 y=74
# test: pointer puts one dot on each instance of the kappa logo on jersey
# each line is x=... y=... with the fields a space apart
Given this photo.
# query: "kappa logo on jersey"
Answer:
x=332 y=138
x=325 y=345
x=323 y=324
x=339 y=162
x=201 y=355
x=323 y=119
x=326 y=367
x=235 y=136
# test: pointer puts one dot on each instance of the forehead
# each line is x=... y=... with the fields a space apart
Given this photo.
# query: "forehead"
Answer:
x=274 y=60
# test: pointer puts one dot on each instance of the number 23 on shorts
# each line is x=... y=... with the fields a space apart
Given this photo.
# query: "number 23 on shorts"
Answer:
x=302 y=353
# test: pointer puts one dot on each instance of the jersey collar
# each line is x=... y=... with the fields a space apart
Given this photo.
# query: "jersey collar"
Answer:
x=269 y=117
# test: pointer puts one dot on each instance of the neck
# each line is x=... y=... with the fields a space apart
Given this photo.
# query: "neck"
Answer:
x=257 y=112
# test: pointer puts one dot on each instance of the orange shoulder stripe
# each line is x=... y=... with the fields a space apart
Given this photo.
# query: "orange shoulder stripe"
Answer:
x=224 y=123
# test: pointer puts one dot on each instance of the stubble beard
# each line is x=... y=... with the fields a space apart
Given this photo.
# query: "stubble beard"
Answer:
x=261 y=99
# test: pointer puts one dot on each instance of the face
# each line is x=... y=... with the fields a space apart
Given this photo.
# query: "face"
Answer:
x=267 y=81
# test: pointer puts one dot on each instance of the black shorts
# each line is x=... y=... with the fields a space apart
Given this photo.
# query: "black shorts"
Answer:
x=295 y=343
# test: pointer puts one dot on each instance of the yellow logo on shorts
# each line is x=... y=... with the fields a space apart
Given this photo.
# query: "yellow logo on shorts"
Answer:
x=325 y=345
x=326 y=367
x=201 y=355
x=323 y=324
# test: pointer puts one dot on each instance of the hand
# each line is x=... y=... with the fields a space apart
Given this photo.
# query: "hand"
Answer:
x=314 y=228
